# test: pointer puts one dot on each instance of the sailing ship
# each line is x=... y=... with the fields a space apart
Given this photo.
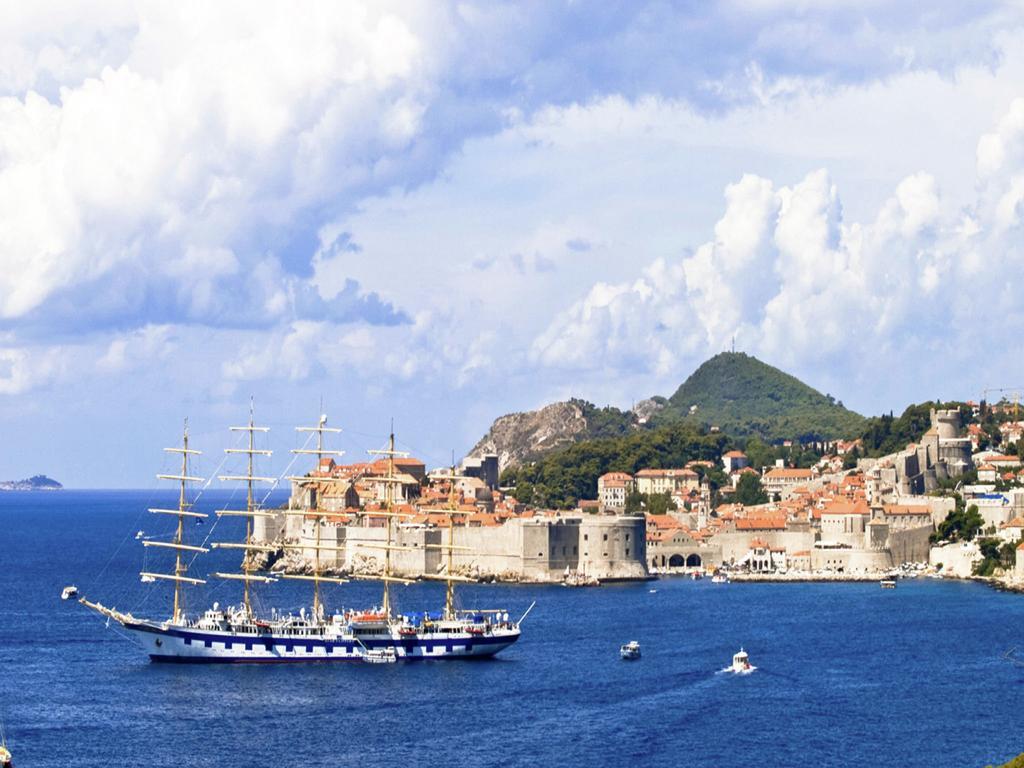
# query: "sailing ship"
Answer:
x=239 y=634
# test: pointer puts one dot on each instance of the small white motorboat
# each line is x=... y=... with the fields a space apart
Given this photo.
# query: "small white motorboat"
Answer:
x=147 y=579
x=888 y=583
x=719 y=578
x=6 y=760
x=741 y=664
x=139 y=535
x=630 y=651
x=69 y=592
x=380 y=655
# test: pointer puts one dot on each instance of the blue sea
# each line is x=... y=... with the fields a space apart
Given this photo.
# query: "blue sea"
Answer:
x=848 y=674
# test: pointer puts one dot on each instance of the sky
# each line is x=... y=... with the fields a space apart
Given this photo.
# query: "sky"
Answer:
x=438 y=213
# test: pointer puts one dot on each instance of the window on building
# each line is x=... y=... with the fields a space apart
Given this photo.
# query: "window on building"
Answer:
x=586 y=536
x=575 y=550
x=627 y=537
x=606 y=537
x=627 y=551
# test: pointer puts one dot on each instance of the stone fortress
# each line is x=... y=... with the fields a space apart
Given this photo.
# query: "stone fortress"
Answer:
x=941 y=454
x=499 y=540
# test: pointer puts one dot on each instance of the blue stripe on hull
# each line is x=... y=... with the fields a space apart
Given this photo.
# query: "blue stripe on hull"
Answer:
x=238 y=660
x=310 y=660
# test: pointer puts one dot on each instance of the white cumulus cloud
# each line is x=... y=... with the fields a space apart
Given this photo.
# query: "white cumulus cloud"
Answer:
x=796 y=283
x=213 y=128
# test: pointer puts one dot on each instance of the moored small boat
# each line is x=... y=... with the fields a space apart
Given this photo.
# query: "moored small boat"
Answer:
x=385 y=655
x=67 y=593
x=630 y=651
x=888 y=583
x=719 y=578
x=579 y=579
x=6 y=761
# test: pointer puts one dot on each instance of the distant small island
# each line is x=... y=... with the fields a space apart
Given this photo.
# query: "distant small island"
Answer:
x=34 y=483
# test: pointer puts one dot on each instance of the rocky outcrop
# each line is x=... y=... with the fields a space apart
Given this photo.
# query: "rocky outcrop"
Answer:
x=519 y=437
x=645 y=409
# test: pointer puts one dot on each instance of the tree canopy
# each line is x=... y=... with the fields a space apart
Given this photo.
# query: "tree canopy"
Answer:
x=960 y=525
x=749 y=490
x=559 y=480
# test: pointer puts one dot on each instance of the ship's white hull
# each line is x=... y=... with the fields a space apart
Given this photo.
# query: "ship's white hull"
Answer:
x=180 y=644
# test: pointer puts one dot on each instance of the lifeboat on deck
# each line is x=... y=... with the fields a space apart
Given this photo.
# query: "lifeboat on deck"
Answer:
x=367 y=616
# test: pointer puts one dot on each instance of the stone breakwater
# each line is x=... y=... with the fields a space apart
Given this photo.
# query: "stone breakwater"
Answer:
x=1003 y=584
x=799 y=578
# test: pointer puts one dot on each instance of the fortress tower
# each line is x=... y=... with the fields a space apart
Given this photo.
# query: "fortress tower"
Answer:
x=947 y=422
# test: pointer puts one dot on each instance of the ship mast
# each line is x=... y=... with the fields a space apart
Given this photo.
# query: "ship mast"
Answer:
x=449 y=594
x=178 y=544
x=319 y=516
x=451 y=511
x=250 y=513
x=389 y=502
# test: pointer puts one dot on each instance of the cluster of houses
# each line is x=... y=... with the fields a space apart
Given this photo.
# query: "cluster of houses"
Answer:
x=686 y=488
x=354 y=492
x=826 y=519
x=817 y=520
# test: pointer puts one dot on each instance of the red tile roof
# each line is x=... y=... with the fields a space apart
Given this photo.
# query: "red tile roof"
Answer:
x=789 y=474
x=664 y=522
x=906 y=509
x=761 y=523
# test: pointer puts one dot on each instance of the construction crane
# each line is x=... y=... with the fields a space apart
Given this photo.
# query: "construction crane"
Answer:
x=1015 y=396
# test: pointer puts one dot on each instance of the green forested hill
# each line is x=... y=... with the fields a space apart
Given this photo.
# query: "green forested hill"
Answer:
x=560 y=479
x=743 y=397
